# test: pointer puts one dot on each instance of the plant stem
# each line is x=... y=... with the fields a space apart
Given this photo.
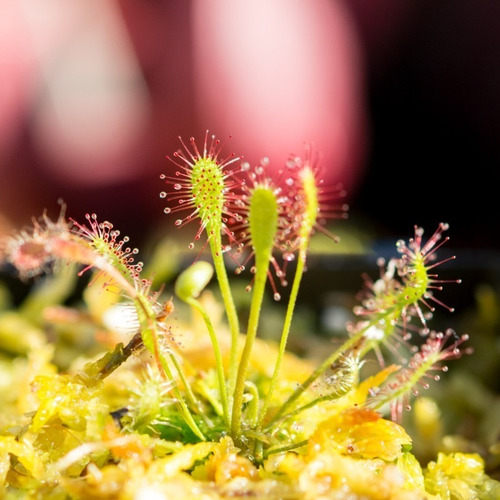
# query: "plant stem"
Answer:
x=218 y=357
x=253 y=404
x=188 y=417
x=112 y=360
x=152 y=342
x=261 y=265
x=299 y=272
x=283 y=449
x=227 y=297
x=310 y=404
x=352 y=341
x=191 y=398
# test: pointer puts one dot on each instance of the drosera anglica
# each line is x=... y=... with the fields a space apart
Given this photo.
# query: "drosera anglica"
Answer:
x=418 y=370
x=243 y=417
x=202 y=185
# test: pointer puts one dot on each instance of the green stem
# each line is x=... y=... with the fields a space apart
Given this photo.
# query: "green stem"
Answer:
x=213 y=399
x=218 y=357
x=149 y=325
x=387 y=318
x=253 y=404
x=310 y=404
x=190 y=397
x=261 y=264
x=299 y=272
x=348 y=344
x=227 y=297
x=188 y=417
x=283 y=449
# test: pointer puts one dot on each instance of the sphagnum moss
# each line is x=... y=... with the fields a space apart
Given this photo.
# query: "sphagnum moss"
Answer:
x=227 y=414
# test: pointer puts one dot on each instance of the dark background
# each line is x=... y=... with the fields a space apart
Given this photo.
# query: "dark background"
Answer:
x=434 y=101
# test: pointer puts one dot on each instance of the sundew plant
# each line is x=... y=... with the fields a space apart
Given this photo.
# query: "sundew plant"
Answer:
x=205 y=407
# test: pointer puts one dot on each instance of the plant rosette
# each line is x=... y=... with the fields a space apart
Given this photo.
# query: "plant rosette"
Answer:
x=201 y=406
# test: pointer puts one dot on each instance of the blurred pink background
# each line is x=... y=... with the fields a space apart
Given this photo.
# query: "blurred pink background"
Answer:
x=401 y=97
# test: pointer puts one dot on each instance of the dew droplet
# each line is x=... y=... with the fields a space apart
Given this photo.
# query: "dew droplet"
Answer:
x=178 y=222
x=177 y=187
x=191 y=246
x=167 y=210
x=163 y=194
x=277 y=296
